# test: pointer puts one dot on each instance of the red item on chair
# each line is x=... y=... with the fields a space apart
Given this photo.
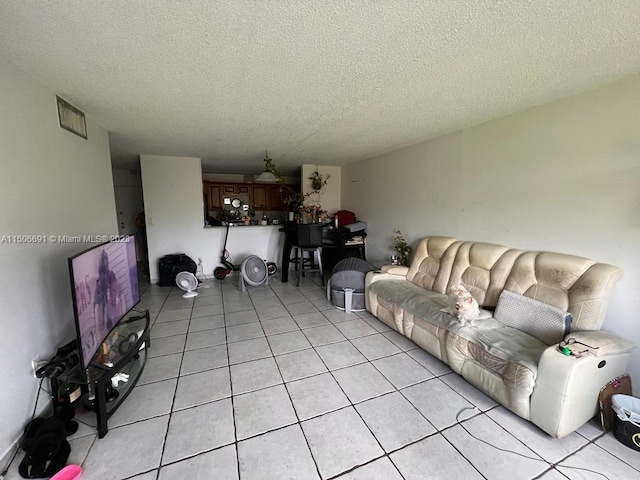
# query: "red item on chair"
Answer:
x=345 y=217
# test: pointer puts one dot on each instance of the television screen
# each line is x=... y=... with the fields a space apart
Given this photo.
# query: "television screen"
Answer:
x=105 y=287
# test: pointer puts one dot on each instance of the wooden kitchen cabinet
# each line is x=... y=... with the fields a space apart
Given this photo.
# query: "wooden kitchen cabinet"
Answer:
x=214 y=192
x=259 y=197
x=274 y=198
x=263 y=197
x=236 y=188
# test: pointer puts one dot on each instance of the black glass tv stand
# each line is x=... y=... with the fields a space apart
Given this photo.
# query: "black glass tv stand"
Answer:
x=113 y=371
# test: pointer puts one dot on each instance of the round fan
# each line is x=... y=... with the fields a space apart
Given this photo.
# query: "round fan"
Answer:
x=188 y=282
x=253 y=271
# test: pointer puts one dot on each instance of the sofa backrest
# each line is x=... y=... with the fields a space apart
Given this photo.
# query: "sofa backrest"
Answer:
x=483 y=269
x=577 y=285
x=428 y=268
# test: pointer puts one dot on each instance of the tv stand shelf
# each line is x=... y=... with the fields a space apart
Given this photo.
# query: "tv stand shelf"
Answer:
x=124 y=352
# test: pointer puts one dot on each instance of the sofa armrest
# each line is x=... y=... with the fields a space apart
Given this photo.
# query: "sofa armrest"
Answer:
x=598 y=343
x=565 y=395
x=395 y=270
x=373 y=277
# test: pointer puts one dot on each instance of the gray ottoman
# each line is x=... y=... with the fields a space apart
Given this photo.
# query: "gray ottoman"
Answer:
x=345 y=288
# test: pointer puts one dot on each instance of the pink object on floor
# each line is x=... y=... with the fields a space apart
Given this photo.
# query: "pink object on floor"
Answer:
x=70 y=472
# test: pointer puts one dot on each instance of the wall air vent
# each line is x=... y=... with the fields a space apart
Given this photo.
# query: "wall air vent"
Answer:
x=71 y=118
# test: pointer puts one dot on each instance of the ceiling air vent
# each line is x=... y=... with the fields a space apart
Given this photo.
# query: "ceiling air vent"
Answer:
x=71 y=118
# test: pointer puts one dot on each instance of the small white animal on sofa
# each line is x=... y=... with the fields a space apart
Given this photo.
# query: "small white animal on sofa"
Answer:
x=462 y=304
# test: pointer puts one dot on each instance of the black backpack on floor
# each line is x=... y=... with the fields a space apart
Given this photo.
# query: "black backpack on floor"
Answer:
x=171 y=265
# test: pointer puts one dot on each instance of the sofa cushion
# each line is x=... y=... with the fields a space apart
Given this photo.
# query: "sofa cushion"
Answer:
x=500 y=341
x=547 y=323
x=494 y=336
x=396 y=295
x=507 y=356
x=500 y=360
x=483 y=269
x=575 y=284
x=432 y=261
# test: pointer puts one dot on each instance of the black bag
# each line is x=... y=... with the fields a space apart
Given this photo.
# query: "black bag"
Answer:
x=626 y=427
x=171 y=265
x=45 y=444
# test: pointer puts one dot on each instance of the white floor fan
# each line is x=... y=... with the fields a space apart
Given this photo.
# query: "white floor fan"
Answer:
x=188 y=282
x=254 y=272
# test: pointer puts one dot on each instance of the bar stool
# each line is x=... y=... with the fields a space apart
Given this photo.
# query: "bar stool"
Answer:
x=309 y=240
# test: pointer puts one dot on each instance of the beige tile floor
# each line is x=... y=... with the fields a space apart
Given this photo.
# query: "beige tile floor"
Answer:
x=275 y=383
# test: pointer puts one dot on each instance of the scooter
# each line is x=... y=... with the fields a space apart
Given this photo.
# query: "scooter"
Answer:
x=221 y=272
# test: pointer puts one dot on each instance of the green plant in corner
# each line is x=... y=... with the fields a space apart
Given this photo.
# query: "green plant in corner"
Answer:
x=402 y=248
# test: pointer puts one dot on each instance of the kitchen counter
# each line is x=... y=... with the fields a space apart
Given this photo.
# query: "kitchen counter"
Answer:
x=236 y=225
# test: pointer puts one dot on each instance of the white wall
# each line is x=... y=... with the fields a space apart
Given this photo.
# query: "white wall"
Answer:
x=174 y=211
x=561 y=177
x=53 y=183
x=330 y=198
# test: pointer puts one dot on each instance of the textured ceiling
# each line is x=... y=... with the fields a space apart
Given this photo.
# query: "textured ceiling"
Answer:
x=317 y=82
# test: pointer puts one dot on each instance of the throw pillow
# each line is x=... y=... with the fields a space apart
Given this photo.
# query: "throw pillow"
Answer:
x=547 y=323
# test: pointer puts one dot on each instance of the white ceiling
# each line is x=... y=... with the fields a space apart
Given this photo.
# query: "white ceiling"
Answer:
x=317 y=82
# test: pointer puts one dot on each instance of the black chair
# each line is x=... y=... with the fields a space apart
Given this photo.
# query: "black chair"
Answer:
x=309 y=240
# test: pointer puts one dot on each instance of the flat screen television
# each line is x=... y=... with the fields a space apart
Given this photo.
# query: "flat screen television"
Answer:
x=104 y=285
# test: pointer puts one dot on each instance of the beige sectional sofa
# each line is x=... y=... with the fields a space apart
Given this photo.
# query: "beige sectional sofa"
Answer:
x=555 y=391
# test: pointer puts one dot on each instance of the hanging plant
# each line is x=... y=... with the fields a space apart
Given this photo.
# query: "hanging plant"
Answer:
x=292 y=199
x=318 y=181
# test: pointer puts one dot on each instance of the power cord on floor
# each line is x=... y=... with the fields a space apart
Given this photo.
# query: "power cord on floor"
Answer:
x=200 y=275
x=33 y=416
x=517 y=453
